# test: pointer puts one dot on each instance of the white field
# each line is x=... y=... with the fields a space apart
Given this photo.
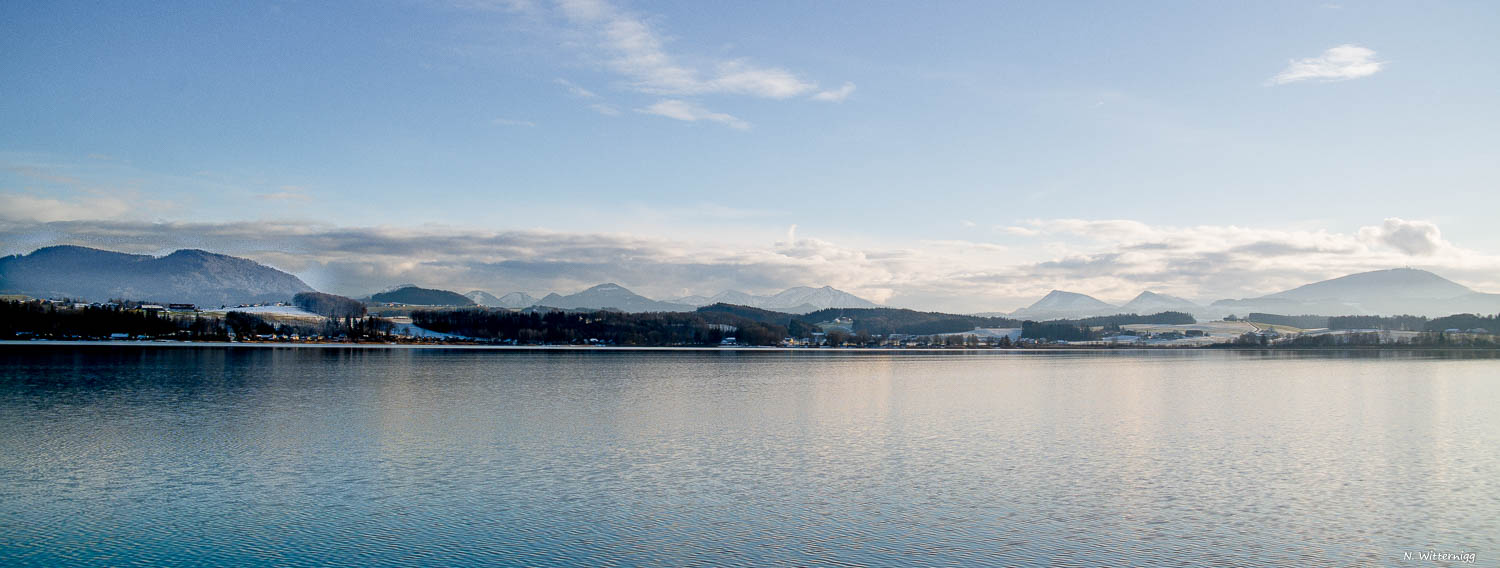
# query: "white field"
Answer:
x=279 y=311
x=1214 y=332
x=994 y=333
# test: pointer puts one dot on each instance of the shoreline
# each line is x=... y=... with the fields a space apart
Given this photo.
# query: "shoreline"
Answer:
x=487 y=347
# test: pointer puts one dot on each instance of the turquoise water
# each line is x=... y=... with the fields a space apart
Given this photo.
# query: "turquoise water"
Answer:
x=247 y=456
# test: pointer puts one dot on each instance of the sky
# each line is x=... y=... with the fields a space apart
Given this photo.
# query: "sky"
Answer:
x=953 y=156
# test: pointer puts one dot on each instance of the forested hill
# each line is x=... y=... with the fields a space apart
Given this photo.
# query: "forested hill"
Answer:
x=612 y=328
x=749 y=313
x=185 y=276
x=329 y=305
x=412 y=295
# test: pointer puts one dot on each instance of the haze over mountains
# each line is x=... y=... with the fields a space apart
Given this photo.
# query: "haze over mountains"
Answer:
x=1380 y=292
x=512 y=300
x=799 y=300
x=209 y=279
x=185 y=276
x=1395 y=291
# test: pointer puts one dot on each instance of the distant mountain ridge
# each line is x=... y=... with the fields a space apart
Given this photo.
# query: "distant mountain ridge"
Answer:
x=513 y=300
x=1059 y=304
x=1152 y=303
x=1379 y=292
x=184 y=276
x=798 y=300
x=211 y=279
x=610 y=296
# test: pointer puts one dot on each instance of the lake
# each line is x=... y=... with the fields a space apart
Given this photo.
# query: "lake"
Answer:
x=309 y=456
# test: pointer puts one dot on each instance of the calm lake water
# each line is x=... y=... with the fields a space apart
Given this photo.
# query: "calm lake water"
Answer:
x=247 y=456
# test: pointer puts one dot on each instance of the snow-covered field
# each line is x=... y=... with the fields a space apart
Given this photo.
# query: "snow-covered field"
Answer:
x=411 y=330
x=1386 y=336
x=1214 y=332
x=1233 y=328
x=1014 y=333
x=403 y=326
x=283 y=311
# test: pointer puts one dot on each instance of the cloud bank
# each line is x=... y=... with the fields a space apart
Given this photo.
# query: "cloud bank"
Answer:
x=1111 y=259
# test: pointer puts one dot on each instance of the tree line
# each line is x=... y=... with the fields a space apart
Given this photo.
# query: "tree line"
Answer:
x=889 y=321
x=602 y=327
x=44 y=320
x=1462 y=322
x=47 y=320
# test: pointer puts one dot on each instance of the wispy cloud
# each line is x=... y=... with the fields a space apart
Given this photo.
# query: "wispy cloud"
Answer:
x=632 y=48
x=1337 y=64
x=576 y=90
x=286 y=193
x=521 y=6
x=690 y=112
x=837 y=95
x=599 y=105
x=512 y=122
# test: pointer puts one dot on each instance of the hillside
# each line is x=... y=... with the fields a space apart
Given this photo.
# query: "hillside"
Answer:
x=1152 y=302
x=1059 y=304
x=482 y=298
x=513 y=300
x=1380 y=292
x=414 y=296
x=749 y=313
x=1378 y=284
x=185 y=276
x=798 y=300
x=884 y=321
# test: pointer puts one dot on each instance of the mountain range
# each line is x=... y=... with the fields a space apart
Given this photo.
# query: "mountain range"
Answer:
x=185 y=276
x=1380 y=292
x=799 y=300
x=610 y=296
x=513 y=300
x=210 y=279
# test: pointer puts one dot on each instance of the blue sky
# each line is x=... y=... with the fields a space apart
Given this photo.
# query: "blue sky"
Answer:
x=952 y=156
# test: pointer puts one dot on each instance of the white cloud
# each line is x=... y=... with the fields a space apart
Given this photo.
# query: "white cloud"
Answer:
x=1337 y=64
x=683 y=110
x=523 y=6
x=837 y=95
x=512 y=122
x=1416 y=238
x=576 y=90
x=605 y=109
x=599 y=106
x=20 y=207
